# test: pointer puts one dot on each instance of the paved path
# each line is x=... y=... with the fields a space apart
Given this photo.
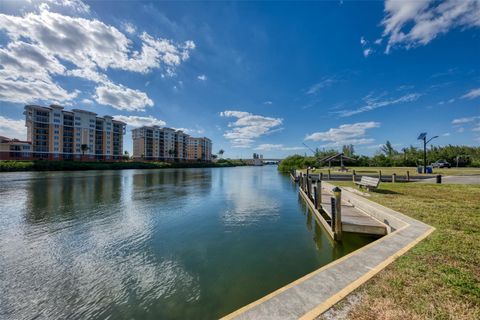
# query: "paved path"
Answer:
x=455 y=180
x=313 y=294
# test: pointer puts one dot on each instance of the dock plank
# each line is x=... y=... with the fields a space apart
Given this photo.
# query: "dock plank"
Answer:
x=353 y=219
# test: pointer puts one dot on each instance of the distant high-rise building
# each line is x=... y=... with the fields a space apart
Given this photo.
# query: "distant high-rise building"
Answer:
x=167 y=144
x=58 y=134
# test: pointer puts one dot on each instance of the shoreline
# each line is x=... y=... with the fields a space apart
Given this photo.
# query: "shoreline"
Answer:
x=41 y=165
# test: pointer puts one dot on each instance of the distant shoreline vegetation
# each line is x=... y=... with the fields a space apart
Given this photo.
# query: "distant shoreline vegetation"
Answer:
x=387 y=156
x=43 y=165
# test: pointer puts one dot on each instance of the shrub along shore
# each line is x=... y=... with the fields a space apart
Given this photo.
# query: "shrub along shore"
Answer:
x=42 y=165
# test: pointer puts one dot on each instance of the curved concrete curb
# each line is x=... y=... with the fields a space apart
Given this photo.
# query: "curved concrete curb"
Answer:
x=313 y=294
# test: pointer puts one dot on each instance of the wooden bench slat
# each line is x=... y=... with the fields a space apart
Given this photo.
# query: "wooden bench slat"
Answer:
x=369 y=182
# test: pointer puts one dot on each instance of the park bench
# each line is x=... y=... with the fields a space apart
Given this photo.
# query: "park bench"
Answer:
x=368 y=182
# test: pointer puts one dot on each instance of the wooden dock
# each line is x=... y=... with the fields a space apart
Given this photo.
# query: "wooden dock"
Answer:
x=352 y=219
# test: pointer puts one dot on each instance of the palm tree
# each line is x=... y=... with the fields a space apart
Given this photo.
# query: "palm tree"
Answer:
x=388 y=149
x=221 y=152
x=84 y=147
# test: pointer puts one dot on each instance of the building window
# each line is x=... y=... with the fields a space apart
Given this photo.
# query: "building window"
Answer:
x=77 y=124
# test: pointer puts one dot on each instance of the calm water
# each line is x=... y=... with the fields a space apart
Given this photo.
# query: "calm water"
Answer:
x=157 y=244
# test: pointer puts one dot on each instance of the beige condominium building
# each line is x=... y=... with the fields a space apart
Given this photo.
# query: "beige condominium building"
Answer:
x=200 y=149
x=166 y=144
x=58 y=134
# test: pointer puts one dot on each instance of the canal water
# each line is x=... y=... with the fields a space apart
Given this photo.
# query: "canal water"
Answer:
x=153 y=244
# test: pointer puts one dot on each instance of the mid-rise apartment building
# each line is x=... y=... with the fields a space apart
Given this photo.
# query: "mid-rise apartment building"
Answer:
x=58 y=134
x=200 y=149
x=167 y=144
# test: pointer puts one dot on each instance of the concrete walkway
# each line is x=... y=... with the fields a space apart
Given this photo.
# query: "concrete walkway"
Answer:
x=311 y=295
x=455 y=180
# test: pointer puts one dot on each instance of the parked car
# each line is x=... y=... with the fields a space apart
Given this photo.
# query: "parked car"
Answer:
x=441 y=164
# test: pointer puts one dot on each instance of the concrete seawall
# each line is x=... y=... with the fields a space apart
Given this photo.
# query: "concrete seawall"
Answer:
x=313 y=294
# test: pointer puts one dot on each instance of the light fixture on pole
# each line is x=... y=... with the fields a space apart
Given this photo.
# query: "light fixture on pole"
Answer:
x=423 y=136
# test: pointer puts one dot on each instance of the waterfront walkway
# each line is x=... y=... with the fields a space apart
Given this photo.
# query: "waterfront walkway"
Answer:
x=473 y=179
x=311 y=295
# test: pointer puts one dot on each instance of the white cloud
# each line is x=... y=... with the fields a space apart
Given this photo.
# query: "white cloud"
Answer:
x=414 y=23
x=122 y=98
x=373 y=103
x=202 y=77
x=75 y=5
x=11 y=128
x=137 y=121
x=268 y=102
x=345 y=134
x=281 y=147
x=22 y=90
x=363 y=42
x=472 y=94
x=324 y=83
x=87 y=101
x=465 y=120
x=367 y=52
x=248 y=127
x=129 y=28
x=44 y=43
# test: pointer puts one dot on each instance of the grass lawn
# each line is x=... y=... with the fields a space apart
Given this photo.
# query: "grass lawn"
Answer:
x=401 y=171
x=440 y=277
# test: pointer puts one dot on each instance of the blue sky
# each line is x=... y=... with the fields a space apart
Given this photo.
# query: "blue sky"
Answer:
x=254 y=77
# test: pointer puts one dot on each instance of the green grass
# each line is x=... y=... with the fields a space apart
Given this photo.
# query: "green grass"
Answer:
x=400 y=171
x=440 y=277
x=7 y=166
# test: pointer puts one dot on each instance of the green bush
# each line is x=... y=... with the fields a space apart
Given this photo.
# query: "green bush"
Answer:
x=45 y=165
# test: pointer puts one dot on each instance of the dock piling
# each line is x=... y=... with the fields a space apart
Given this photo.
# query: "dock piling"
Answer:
x=329 y=175
x=380 y=175
x=408 y=176
x=394 y=177
x=338 y=213
x=439 y=178
x=318 y=195
x=353 y=175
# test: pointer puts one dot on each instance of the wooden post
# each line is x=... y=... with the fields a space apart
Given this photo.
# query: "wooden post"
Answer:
x=318 y=195
x=332 y=222
x=315 y=196
x=394 y=177
x=408 y=176
x=309 y=187
x=321 y=176
x=338 y=213
x=380 y=175
x=439 y=178
x=329 y=176
x=353 y=175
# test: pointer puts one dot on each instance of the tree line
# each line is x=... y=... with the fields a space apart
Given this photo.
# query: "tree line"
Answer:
x=388 y=156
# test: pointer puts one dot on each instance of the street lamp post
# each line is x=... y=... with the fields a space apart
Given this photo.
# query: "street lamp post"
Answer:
x=423 y=136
